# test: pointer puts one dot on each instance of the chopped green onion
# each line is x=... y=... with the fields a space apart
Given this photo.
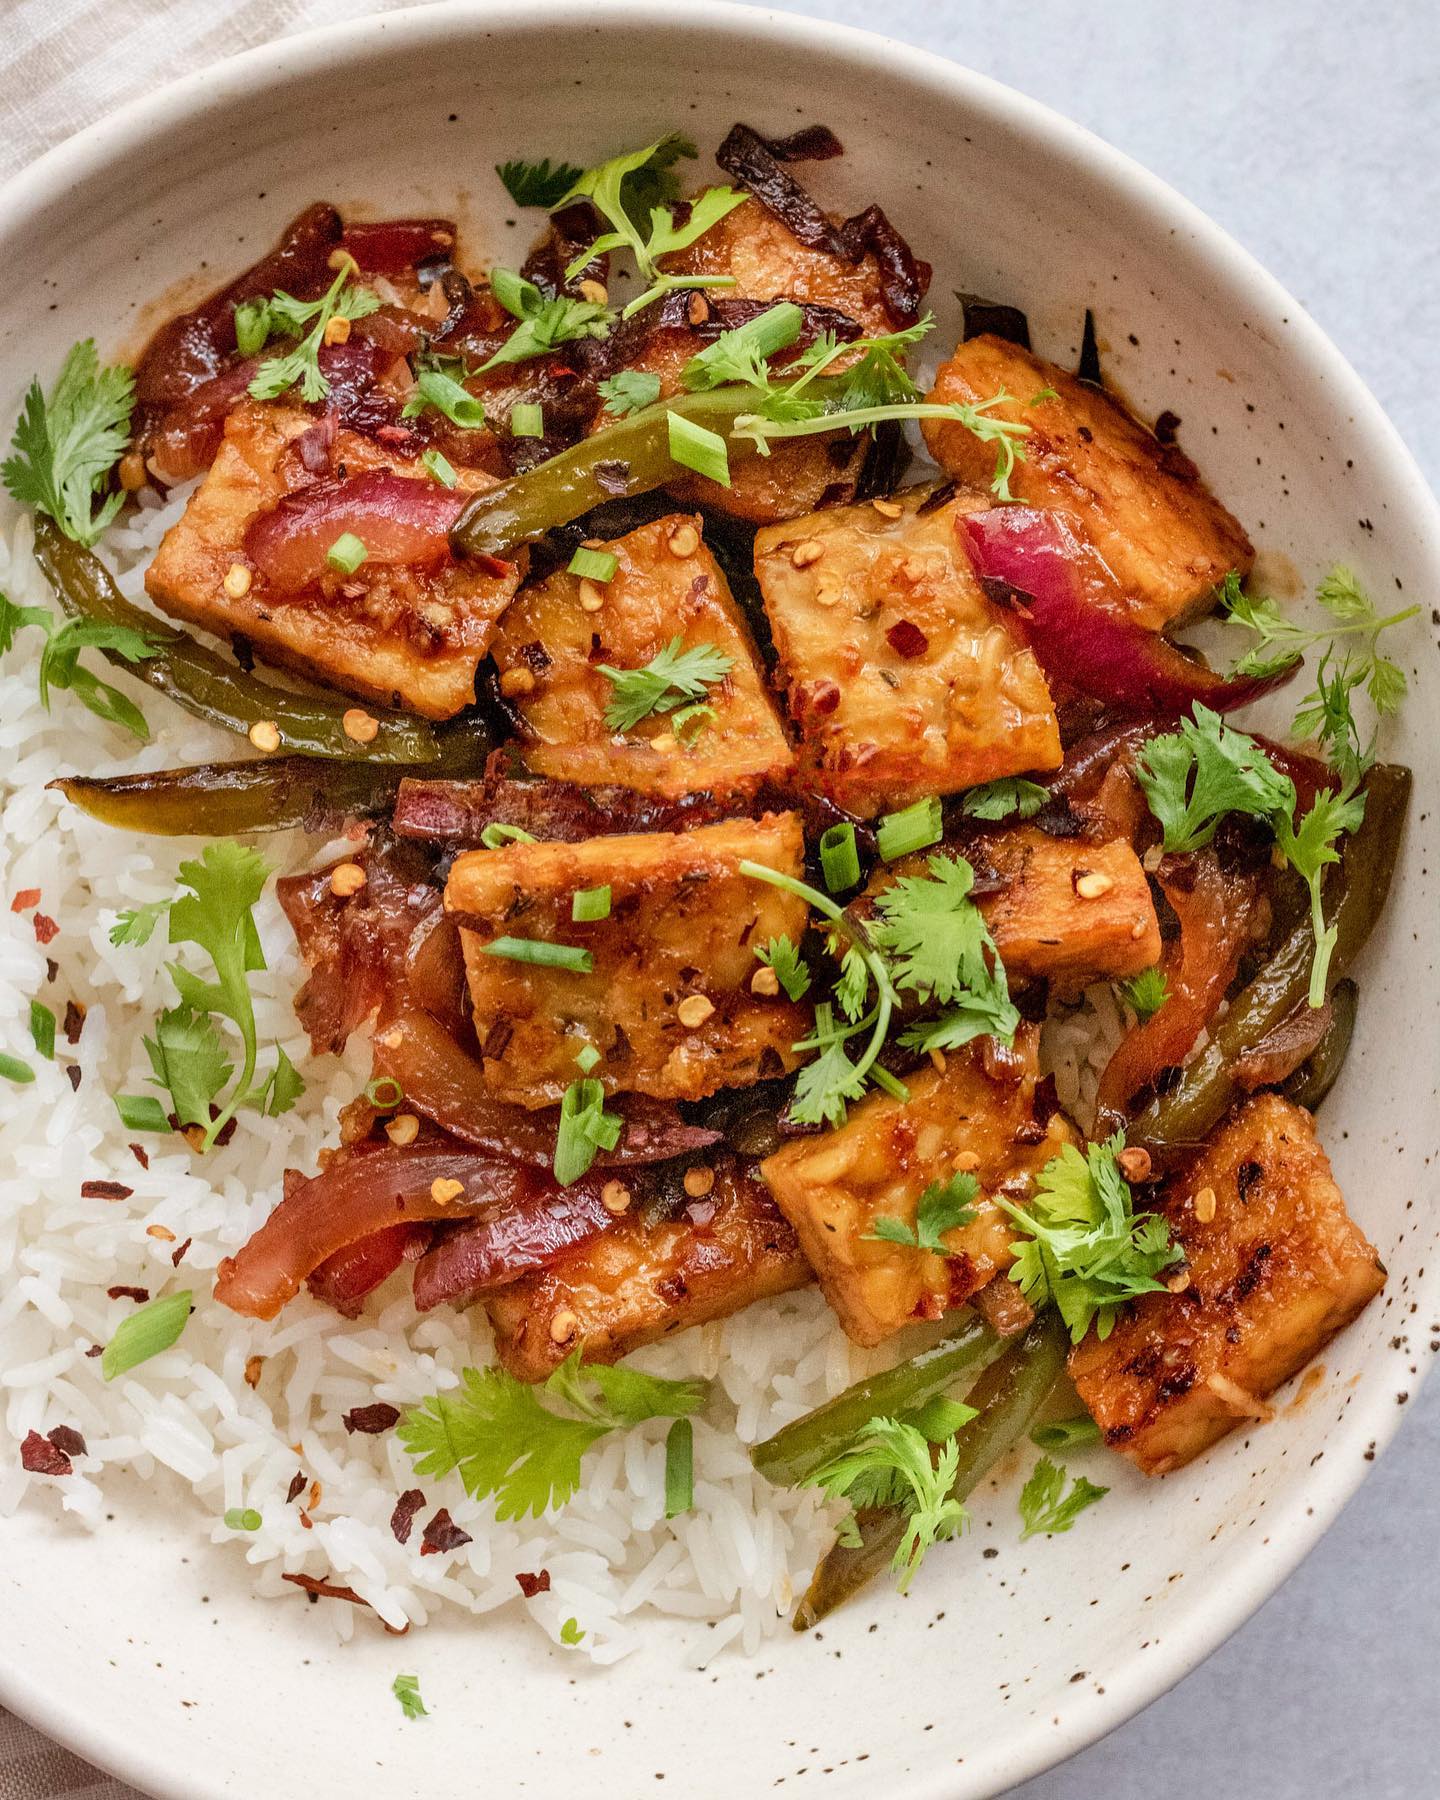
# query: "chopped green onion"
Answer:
x=590 y=904
x=527 y=420
x=141 y=1112
x=384 y=1092
x=252 y=326
x=839 y=859
x=588 y=1058
x=679 y=1468
x=697 y=447
x=594 y=565
x=346 y=553
x=42 y=1028
x=243 y=1518
x=585 y=1127
x=913 y=828
x=493 y=836
x=13 y=1069
x=433 y=387
x=440 y=467
x=546 y=955
x=145 y=1333
x=1066 y=1434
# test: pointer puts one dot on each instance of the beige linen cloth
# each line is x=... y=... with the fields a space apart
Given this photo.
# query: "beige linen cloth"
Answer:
x=64 y=64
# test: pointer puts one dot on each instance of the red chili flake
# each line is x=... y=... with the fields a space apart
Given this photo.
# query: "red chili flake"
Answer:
x=442 y=1533
x=72 y=1075
x=74 y=1021
x=372 y=1420
x=296 y=1487
x=129 y=1293
x=96 y=1350
x=177 y=1256
x=329 y=1590
x=139 y=1152
x=531 y=1585
x=822 y=696
x=403 y=1517
x=45 y=928
x=906 y=638
x=52 y=968
x=68 y=1440
x=105 y=1190
x=41 y=1457
x=25 y=899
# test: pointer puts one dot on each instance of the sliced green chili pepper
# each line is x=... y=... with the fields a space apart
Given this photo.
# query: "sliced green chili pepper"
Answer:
x=627 y=458
x=807 y=1443
x=1015 y=1388
x=210 y=685
x=273 y=793
x=1355 y=892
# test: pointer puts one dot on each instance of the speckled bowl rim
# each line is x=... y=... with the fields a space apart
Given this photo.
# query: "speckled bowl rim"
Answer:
x=1260 y=1570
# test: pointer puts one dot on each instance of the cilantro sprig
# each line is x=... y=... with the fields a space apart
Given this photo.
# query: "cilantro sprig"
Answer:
x=544 y=324
x=631 y=193
x=1011 y=794
x=944 y=1206
x=891 y=1464
x=282 y=315
x=1082 y=1244
x=1045 y=1507
x=784 y=958
x=628 y=391
x=66 y=443
x=670 y=678
x=187 y=1054
x=540 y=183
x=60 y=660
x=496 y=1433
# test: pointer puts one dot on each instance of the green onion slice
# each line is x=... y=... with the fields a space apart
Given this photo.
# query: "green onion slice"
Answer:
x=527 y=420
x=141 y=1112
x=588 y=1059
x=493 y=836
x=13 y=1069
x=544 y=954
x=384 y=1092
x=594 y=565
x=590 y=904
x=145 y=1333
x=440 y=467
x=914 y=828
x=346 y=553
x=1066 y=1434
x=839 y=858
x=697 y=447
x=243 y=1518
x=42 y=1029
x=585 y=1127
x=679 y=1468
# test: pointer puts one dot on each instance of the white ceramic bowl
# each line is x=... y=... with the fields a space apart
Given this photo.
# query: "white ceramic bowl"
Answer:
x=139 y=1645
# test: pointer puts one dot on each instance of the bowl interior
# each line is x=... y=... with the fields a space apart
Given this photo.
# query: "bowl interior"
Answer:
x=140 y=1643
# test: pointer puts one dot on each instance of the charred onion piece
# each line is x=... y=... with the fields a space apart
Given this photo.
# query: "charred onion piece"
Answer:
x=1054 y=585
x=510 y=1241
x=343 y=1280
x=208 y=684
x=397 y=519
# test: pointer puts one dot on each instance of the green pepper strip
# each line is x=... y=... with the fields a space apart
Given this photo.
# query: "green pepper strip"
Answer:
x=628 y=458
x=1315 y=1077
x=1181 y=1120
x=273 y=793
x=1017 y=1387
x=210 y=685
x=808 y=1443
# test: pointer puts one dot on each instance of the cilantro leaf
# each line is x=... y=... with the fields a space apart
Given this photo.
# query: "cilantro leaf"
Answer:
x=1085 y=1247
x=1145 y=993
x=496 y=1433
x=283 y=314
x=1042 y=1507
x=60 y=660
x=186 y=1053
x=628 y=390
x=943 y=1207
x=1192 y=777
x=740 y=355
x=674 y=675
x=1310 y=848
x=890 y=1465
x=782 y=956
x=66 y=443
x=544 y=324
x=823 y=1088
x=571 y=1634
x=406 y=1689
x=999 y=799
x=542 y=183
x=940 y=947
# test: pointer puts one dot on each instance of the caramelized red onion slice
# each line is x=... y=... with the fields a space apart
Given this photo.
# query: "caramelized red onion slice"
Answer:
x=510 y=1242
x=396 y=246
x=361 y=1193
x=343 y=1280
x=1031 y=562
x=397 y=520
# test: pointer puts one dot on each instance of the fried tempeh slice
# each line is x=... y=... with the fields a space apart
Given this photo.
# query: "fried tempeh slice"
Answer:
x=1141 y=503
x=903 y=678
x=1059 y=909
x=394 y=635
x=1276 y=1267
x=666 y=585
x=833 y=1188
x=668 y=1003
x=638 y=1282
